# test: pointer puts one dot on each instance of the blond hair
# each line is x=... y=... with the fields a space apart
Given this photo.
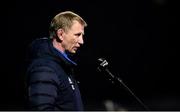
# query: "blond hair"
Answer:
x=64 y=20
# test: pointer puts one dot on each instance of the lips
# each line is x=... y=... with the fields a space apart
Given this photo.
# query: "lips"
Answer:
x=75 y=48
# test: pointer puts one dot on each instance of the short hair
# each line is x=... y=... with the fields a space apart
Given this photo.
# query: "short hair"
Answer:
x=64 y=20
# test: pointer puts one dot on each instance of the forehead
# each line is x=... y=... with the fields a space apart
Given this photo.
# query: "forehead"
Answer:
x=77 y=27
x=76 y=24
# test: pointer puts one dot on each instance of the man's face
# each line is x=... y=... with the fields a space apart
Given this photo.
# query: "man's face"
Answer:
x=73 y=38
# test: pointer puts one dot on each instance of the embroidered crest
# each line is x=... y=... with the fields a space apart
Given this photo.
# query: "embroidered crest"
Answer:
x=71 y=83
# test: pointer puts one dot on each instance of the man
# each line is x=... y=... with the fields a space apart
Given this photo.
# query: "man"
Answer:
x=51 y=85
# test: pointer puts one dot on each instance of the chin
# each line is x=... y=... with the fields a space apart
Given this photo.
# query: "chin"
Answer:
x=73 y=52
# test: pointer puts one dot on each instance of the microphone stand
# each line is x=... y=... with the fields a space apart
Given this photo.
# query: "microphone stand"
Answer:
x=103 y=65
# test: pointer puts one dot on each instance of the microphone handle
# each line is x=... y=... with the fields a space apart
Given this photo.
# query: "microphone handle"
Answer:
x=127 y=88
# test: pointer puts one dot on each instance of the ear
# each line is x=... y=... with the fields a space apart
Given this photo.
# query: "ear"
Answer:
x=60 y=33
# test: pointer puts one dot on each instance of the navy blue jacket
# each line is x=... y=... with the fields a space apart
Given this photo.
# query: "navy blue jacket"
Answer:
x=51 y=85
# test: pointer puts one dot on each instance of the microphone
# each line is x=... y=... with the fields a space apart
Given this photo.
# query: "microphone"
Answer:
x=103 y=66
x=103 y=62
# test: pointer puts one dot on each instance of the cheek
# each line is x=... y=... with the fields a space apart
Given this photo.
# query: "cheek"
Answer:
x=73 y=41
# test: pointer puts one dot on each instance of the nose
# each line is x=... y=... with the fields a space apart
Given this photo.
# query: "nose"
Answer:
x=80 y=40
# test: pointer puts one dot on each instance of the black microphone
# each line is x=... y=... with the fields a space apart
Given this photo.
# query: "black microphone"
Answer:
x=103 y=66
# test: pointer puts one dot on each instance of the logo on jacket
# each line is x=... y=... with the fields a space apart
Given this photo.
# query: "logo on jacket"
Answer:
x=71 y=83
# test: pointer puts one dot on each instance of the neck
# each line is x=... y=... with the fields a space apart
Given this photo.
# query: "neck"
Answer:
x=58 y=45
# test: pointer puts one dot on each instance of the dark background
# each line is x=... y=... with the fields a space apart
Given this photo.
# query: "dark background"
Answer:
x=137 y=37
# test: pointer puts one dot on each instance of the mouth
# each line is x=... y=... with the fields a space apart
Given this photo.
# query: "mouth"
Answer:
x=75 y=48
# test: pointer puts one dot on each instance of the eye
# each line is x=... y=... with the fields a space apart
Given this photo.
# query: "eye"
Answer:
x=78 y=34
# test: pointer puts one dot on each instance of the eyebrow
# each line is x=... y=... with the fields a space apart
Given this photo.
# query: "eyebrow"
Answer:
x=79 y=33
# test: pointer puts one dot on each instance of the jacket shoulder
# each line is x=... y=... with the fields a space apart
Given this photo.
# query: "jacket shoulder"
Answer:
x=44 y=69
